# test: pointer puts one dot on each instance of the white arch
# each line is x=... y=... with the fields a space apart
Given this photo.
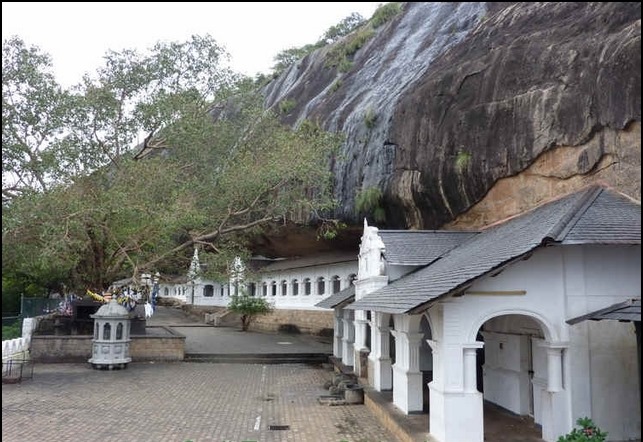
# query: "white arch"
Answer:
x=548 y=329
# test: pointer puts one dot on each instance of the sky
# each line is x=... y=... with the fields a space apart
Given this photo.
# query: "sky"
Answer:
x=77 y=35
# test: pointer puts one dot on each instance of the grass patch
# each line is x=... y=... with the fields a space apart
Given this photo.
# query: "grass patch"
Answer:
x=285 y=106
x=370 y=118
x=385 y=13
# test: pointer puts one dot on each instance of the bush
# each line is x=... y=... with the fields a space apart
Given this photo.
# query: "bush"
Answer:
x=12 y=331
x=369 y=201
x=286 y=106
x=588 y=432
x=370 y=117
x=249 y=307
x=385 y=13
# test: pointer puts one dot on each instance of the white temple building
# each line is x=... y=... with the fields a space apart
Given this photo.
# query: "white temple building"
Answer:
x=450 y=320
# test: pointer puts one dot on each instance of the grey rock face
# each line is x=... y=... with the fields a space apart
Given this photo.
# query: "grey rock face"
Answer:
x=447 y=98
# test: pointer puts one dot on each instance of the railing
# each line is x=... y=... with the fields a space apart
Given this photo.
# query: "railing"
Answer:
x=15 y=354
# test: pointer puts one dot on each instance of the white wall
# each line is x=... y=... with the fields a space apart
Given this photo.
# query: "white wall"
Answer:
x=600 y=377
x=602 y=355
x=288 y=302
x=302 y=301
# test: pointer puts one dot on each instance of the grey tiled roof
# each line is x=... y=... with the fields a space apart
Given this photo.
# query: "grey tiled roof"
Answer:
x=504 y=243
x=310 y=261
x=611 y=219
x=337 y=299
x=419 y=247
x=627 y=311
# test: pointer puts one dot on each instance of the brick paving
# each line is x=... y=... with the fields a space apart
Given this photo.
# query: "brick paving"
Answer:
x=180 y=402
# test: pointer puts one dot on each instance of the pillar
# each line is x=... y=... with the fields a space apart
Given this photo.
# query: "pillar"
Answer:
x=407 y=378
x=555 y=403
x=348 y=338
x=455 y=403
x=380 y=374
x=359 y=346
x=338 y=331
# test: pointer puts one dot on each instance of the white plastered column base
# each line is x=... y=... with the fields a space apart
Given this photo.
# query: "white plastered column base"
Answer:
x=456 y=416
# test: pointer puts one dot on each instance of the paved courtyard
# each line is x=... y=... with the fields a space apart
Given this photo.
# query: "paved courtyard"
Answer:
x=179 y=402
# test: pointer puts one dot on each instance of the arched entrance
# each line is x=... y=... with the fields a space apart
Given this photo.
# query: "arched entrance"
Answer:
x=513 y=365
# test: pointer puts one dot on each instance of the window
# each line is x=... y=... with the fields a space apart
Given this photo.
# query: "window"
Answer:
x=284 y=288
x=295 y=287
x=264 y=289
x=222 y=291
x=273 y=288
x=336 y=283
x=166 y=292
x=252 y=289
x=208 y=291
x=307 y=286
x=107 y=331
x=321 y=286
x=96 y=331
x=119 y=331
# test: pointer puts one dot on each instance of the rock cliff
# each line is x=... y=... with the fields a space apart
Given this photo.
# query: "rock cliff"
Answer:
x=465 y=113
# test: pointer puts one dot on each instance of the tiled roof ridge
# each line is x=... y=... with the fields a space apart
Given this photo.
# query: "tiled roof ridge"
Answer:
x=574 y=213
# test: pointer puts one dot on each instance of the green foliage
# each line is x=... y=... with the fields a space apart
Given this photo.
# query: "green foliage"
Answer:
x=369 y=201
x=249 y=307
x=329 y=229
x=588 y=432
x=287 y=57
x=370 y=118
x=462 y=161
x=194 y=180
x=343 y=28
x=339 y=55
x=12 y=331
x=285 y=106
x=385 y=13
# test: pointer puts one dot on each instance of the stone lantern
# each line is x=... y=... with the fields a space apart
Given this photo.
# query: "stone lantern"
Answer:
x=110 y=347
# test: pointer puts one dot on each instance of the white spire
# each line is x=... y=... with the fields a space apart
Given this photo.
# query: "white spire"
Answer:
x=195 y=267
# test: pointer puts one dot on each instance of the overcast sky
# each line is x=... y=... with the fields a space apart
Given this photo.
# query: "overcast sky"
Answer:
x=77 y=35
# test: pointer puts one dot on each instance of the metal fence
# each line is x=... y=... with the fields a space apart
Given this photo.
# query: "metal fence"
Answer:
x=8 y=321
x=31 y=307
x=15 y=370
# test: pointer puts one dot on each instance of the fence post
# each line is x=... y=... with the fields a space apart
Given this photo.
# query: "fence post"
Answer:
x=22 y=304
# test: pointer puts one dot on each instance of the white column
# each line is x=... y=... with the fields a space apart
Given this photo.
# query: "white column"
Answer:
x=359 y=346
x=470 y=384
x=455 y=404
x=380 y=374
x=407 y=378
x=555 y=402
x=348 y=338
x=554 y=369
x=338 y=327
x=360 y=330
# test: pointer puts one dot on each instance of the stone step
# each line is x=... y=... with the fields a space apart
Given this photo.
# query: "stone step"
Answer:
x=267 y=358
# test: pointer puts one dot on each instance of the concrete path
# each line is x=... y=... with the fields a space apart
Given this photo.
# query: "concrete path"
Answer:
x=204 y=339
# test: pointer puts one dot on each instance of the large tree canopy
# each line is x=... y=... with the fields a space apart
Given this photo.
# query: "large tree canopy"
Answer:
x=85 y=204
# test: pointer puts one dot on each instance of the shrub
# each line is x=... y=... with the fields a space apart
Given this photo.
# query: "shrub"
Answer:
x=462 y=160
x=368 y=201
x=588 y=432
x=336 y=85
x=370 y=117
x=249 y=307
x=287 y=105
x=384 y=13
x=12 y=331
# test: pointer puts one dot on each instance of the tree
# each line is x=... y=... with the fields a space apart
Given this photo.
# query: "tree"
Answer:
x=344 y=27
x=214 y=167
x=249 y=307
x=34 y=112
